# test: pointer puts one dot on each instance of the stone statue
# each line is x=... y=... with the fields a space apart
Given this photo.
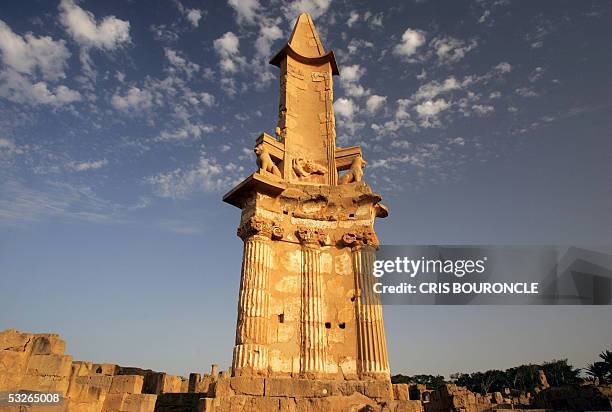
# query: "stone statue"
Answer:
x=304 y=168
x=355 y=173
x=264 y=161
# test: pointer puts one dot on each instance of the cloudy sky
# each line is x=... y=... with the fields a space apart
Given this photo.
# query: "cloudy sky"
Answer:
x=123 y=123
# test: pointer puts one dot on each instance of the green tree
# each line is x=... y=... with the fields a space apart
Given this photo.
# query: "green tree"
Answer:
x=602 y=370
x=561 y=373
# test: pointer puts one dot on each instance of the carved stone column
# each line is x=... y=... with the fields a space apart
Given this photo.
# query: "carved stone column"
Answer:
x=372 y=357
x=251 y=351
x=313 y=342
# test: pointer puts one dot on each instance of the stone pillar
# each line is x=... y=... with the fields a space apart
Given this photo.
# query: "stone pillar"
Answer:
x=251 y=351
x=372 y=357
x=313 y=342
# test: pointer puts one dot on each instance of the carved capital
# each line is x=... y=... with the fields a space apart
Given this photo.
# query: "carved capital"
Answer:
x=258 y=226
x=360 y=239
x=312 y=237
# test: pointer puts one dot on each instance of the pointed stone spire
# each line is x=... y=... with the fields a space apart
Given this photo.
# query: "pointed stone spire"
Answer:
x=305 y=44
x=304 y=39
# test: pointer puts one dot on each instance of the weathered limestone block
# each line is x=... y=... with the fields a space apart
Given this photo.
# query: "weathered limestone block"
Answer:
x=32 y=343
x=172 y=384
x=56 y=365
x=13 y=361
x=105 y=368
x=244 y=385
x=299 y=388
x=98 y=381
x=128 y=402
x=400 y=392
x=126 y=384
x=47 y=383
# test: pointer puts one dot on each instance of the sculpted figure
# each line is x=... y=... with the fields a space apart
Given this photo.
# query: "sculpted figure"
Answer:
x=264 y=161
x=355 y=173
x=303 y=168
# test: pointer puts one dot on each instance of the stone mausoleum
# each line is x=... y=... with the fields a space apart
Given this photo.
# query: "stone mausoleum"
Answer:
x=310 y=334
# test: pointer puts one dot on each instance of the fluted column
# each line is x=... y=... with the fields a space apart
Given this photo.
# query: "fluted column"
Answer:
x=373 y=359
x=313 y=342
x=250 y=355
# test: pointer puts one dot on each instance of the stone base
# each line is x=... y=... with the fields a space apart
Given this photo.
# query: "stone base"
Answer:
x=288 y=395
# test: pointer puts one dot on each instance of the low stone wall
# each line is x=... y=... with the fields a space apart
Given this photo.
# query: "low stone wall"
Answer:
x=34 y=362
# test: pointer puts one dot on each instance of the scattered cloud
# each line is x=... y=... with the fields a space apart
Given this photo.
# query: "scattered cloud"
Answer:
x=375 y=103
x=411 y=41
x=180 y=62
x=227 y=48
x=91 y=165
x=450 y=50
x=33 y=55
x=345 y=108
x=353 y=18
x=207 y=175
x=267 y=35
x=246 y=10
x=108 y=35
x=135 y=100
x=351 y=75
x=429 y=110
x=316 y=8
x=193 y=16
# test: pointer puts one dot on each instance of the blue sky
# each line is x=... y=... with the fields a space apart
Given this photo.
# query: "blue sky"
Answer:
x=123 y=123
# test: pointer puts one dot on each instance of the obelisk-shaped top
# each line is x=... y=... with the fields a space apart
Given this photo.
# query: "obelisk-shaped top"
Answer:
x=304 y=39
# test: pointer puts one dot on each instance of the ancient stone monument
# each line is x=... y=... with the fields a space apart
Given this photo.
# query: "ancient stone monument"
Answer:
x=306 y=307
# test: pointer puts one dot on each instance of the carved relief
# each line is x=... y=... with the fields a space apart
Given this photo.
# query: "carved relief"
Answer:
x=304 y=168
x=366 y=237
x=313 y=237
x=355 y=173
x=264 y=161
x=259 y=226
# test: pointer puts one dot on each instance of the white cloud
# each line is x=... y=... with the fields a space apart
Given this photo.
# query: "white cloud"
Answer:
x=207 y=98
x=435 y=88
x=353 y=18
x=429 y=110
x=30 y=53
x=458 y=141
x=135 y=100
x=483 y=110
x=536 y=74
x=375 y=103
x=181 y=62
x=350 y=77
x=411 y=41
x=495 y=95
x=187 y=131
x=267 y=35
x=451 y=50
x=84 y=166
x=526 y=92
x=345 y=108
x=358 y=45
x=206 y=176
x=227 y=48
x=17 y=88
x=193 y=16
x=109 y=34
x=503 y=67
x=246 y=10
x=315 y=8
